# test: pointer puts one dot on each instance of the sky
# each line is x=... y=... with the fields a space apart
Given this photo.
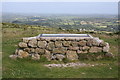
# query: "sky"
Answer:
x=61 y=7
x=60 y=0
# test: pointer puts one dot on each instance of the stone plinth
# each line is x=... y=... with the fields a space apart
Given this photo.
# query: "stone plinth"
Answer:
x=60 y=46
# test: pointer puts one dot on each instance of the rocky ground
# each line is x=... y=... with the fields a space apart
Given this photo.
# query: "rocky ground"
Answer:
x=73 y=64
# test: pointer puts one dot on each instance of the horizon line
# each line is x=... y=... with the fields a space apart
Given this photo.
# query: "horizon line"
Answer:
x=61 y=13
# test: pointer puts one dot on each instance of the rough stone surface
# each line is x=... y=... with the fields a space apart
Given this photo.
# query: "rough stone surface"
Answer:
x=58 y=48
x=66 y=43
x=73 y=64
x=51 y=45
x=95 y=49
x=22 y=45
x=39 y=51
x=27 y=50
x=74 y=44
x=16 y=51
x=85 y=48
x=13 y=56
x=33 y=43
x=48 y=55
x=89 y=42
x=106 y=48
x=82 y=43
x=102 y=44
x=79 y=52
x=73 y=48
x=32 y=50
x=109 y=54
x=35 y=56
x=42 y=44
x=60 y=57
x=72 y=55
x=23 y=54
x=58 y=43
x=25 y=40
x=95 y=42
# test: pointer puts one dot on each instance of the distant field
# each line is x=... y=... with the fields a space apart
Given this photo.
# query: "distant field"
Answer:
x=102 y=26
x=27 y=68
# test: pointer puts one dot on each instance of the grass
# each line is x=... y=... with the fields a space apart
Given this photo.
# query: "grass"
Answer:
x=27 y=68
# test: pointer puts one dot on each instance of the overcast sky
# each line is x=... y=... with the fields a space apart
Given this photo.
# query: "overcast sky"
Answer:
x=60 y=0
x=61 y=7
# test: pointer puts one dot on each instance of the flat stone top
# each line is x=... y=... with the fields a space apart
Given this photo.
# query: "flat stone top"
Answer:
x=65 y=35
x=61 y=36
x=67 y=38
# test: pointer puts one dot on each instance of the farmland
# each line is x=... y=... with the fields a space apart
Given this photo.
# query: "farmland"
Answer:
x=92 y=23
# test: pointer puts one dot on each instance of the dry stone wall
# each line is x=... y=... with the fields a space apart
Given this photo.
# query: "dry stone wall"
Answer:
x=59 y=48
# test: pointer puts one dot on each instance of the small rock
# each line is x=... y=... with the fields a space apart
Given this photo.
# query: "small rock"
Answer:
x=32 y=50
x=99 y=57
x=96 y=42
x=16 y=51
x=89 y=42
x=66 y=43
x=35 y=56
x=110 y=68
x=95 y=49
x=13 y=56
x=39 y=51
x=82 y=43
x=109 y=55
x=50 y=45
x=74 y=44
x=85 y=48
x=79 y=51
x=27 y=50
x=102 y=44
x=92 y=65
x=72 y=55
x=53 y=57
x=82 y=73
x=106 y=48
x=23 y=54
x=60 y=57
x=61 y=50
x=42 y=44
x=58 y=44
x=48 y=55
x=32 y=43
x=25 y=40
x=22 y=45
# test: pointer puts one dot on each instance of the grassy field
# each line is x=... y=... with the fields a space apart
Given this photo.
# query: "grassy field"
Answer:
x=0 y=51
x=27 y=68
